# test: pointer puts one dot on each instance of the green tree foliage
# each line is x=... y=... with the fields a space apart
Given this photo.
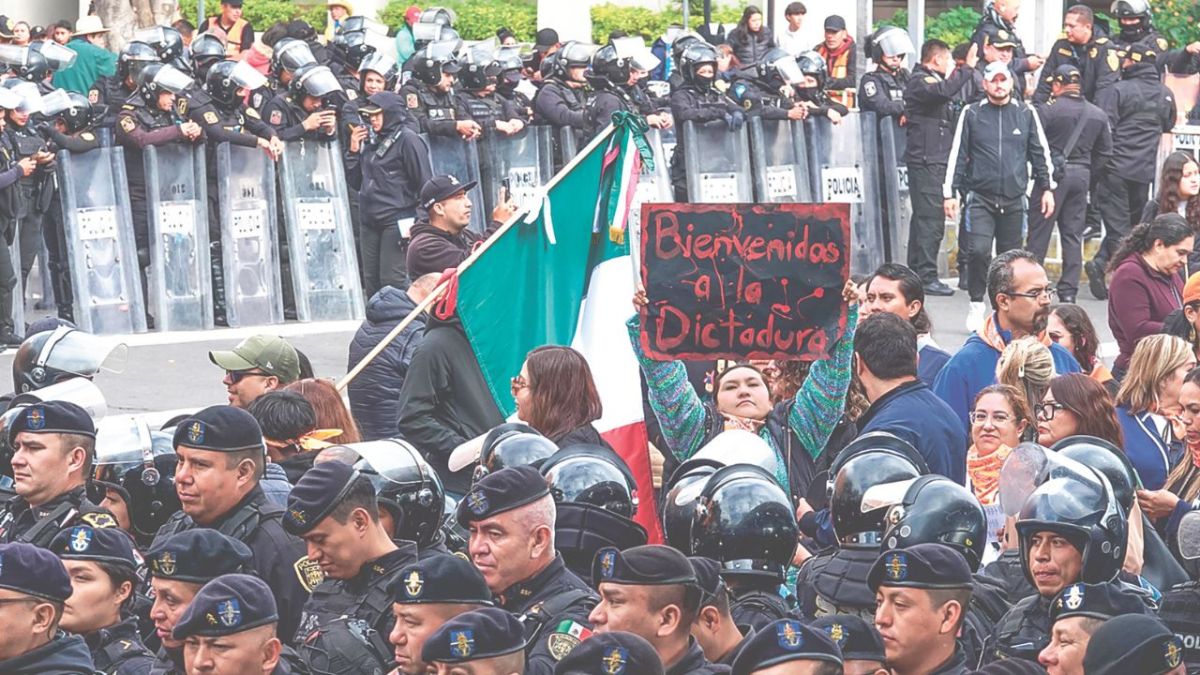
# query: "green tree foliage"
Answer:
x=476 y=19
x=953 y=27
x=650 y=24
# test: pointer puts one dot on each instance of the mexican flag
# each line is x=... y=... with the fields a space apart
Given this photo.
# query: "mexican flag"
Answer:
x=562 y=274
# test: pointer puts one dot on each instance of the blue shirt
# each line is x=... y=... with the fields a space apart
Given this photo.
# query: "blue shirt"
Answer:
x=930 y=361
x=1147 y=449
x=915 y=414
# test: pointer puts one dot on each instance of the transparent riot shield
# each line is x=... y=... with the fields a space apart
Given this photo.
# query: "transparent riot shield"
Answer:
x=669 y=139
x=893 y=187
x=843 y=163
x=568 y=146
x=518 y=162
x=717 y=163
x=249 y=245
x=321 y=251
x=100 y=248
x=654 y=184
x=455 y=157
x=779 y=157
x=18 y=292
x=180 y=272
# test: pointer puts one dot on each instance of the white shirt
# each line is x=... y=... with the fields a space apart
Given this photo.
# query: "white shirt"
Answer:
x=790 y=42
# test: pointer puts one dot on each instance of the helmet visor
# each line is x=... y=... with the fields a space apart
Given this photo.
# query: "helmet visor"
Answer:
x=1188 y=535
x=122 y=439
x=59 y=56
x=387 y=457
x=9 y=100
x=172 y=79
x=31 y=98
x=82 y=354
x=295 y=55
x=577 y=53
x=245 y=75
x=1065 y=499
x=885 y=495
x=320 y=81
x=426 y=32
x=789 y=70
x=379 y=63
x=14 y=56
x=895 y=43
x=55 y=102
x=154 y=35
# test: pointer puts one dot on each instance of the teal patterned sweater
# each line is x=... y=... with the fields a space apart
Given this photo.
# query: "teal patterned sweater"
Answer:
x=815 y=411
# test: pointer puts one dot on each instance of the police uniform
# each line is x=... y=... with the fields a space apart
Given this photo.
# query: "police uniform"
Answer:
x=54 y=231
x=486 y=110
x=993 y=24
x=613 y=652
x=20 y=522
x=10 y=199
x=553 y=604
x=287 y=118
x=881 y=91
x=116 y=649
x=1133 y=643
x=1025 y=630
x=40 y=575
x=37 y=193
x=364 y=596
x=109 y=91
x=857 y=638
x=712 y=587
x=518 y=101
x=478 y=635
x=1180 y=610
x=761 y=98
x=1098 y=62
x=835 y=582
x=278 y=557
x=699 y=104
x=559 y=105
x=434 y=109
x=786 y=641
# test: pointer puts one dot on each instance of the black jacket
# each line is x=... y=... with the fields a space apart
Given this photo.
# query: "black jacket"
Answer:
x=444 y=399
x=583 y=435
x=433 y=251
x=66 y=654
x=994 y=149
x=374 y=394
x=1098 y=64
x=558 y=105
x=1059 y=117
x=761 y=98
x=749 y=47
x=991 y=19
x=882 y=92
x=931 y=109
x=433 y=108
x=287 y=118
x=1140 y=110
x=389 y=169
x=544 y=603
x=119 y=650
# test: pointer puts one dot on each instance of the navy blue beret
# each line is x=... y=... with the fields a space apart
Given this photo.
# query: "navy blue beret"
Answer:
x=220 y=428
x=858 y=640
x=317 y=494
x=35 y=571
x=52 y=417
x=504 y=490
x=1133 y=643
x=197 y=556
x=106 y=545
x=440 y=579
x=921 y=566
x=483 y=633
x=226 y=605
x=708 y=578
x=783 y=641
x=614 y=652
x=1095 y=601
x=650 y=565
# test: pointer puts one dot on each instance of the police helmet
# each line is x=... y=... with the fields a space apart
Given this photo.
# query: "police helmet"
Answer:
x=581 y=529
x=777 y=66
x=932 y=509
x=694 y=56
x=57 y=56
x=811 y=63
x=889 y=41
x=432 y=26
x=594 y=475
x=290 y=55
x=572 y=54
x=738 y=446
x=434 y=59
x=512 y=444
x=227 y=78
x=166 y=41
x=50 y=357
x=314 y=80
x=157 y=78
x=872 y=459
x=81 y=114
x=206 y=49
x=353 y=47
x=682 y=496
x=682 y=42
x=134 y=57
x=381 y=64
x=25 y=63
x=1133 y=9
x=479 y=67
x=406 y=485
x=1109 y=460
x=509 y=58
x=745 y=521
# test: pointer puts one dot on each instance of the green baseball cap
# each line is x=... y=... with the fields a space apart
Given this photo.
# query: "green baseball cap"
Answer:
x=268 y=353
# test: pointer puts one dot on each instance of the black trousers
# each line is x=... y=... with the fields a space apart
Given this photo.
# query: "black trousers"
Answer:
x=1121 y=204
x=1070 y=213
x=990 y=220
x=385 y=257
x=928 y=225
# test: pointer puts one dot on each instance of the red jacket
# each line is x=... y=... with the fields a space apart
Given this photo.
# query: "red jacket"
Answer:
x=1139 y=299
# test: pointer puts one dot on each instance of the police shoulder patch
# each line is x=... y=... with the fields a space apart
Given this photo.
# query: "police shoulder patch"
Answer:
x=309 y=573
x=1101 y=40
x=253 y=112
x=561 y=644
x=181 y=106
x=210 y=117
x=1093 y=52
x=93 y=96
x=929 y=79
x=351 y=94
x=128 y=125
x=1064 y=52
x=1111 y=60
x=276 y=117
x=88 y=136
x=869 y=88
x=1162 y=43
x=412 y=101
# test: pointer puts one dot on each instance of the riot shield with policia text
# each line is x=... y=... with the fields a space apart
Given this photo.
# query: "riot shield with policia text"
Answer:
x=249 y=244
x=180 y=269
x=779 y=158
x=453 y=156
x=101 y=255
x=324 y=264
x=717 y=162
x=843 y=163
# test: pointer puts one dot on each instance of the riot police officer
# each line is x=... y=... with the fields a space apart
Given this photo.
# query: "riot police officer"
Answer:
x=768 y=91
x=289 y=56
x=1137 y=33
x=698 y=101
x=813 y=93
x=168 y=45
x=37 y=189
x=303 y=110
x=562 y=102
x=135 y=482
x=511 y=84
x=479 y=100
x=512 y=444
x=429 y=96
x=617 y=71
x=1085 y=48
x=412 y=503
x=882 y=90
x=349 y=51
x=113 y=91
x=207 y=51
x=12 y=169
x=510 y=508
x=714 y=628
x=221 y=457
x=333 y=509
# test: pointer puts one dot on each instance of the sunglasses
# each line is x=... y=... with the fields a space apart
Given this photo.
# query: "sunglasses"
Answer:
x=518 y=383
x=236 y=376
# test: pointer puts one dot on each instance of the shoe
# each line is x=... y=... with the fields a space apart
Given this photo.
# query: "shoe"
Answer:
x=938 y=288
x=962 y=282
x=1095 y=273
x=1091 y=233
x=1066 y=299
x=976 y=316
x=10 y=339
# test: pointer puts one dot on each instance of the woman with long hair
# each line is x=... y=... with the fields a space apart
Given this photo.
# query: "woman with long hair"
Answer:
x=330 y=408
x=1145 y=285
x=1147 y=402
x=556 y=395
x=1183 y=483
x=1077 y=405
x=1027 y=366
x=998 y=420
x=751 y=39
x=1179 y=192
x=1072 y=328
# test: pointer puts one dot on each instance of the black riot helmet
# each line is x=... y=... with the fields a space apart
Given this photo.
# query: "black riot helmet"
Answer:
x=135 y=56
x=778 y=67
x=572 y=54
x=58 y=57
x=1132 y=9
x=226 y=79
x=53 y=356
x=932 y=509
x=695 y=55
x=889 y=41
x=139 y=465
x=591 y=474
x=433 y=25
x=745 y=521
x=313 y=80
x=290 y=55
x=1109 y=460
x=682 y=42
x=353 y=47
x=682 y=496
x=811 y=63
x=609 y=69
x=512 y=444
x=432 y=60
x=479 y=67
x=166 y=41
x=157 y=78
x=381 y=64
x=207 y=50
x=581 y=529
x=81 y=114
x=871 y=459
x=406 y=485
x=34 y=67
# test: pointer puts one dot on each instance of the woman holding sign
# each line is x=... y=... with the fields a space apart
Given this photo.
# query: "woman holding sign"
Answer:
x=796 y=429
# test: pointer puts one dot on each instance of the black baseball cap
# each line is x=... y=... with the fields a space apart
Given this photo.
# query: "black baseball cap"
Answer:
x=835 y=22
x=439 y=188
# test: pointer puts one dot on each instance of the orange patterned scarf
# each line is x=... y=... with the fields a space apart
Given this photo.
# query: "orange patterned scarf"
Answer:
x=984 y=472
x=991 y=334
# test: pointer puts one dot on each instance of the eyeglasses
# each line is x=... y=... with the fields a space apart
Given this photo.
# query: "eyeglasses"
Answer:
x=1035 y=293
x=1047 y=410
x=236 y=376
x=999 y=419
x=518 y=383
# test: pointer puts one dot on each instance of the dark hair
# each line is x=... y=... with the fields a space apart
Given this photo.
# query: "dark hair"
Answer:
x=1168 y=191
x=63 y=23
x=960 y=52
x=932 y=49
x=329 y=407
x=117 y=575
x=743 y=24
x=1016 y=401
x=1169 y=228
x=795 y=8
x=911 y=288
x=563 y=395
x=1083 y=12
x=1083 y=334
x=1091 y=404
x=887 y=346
x=361 y=495
x=1000 y=272
x=184 y=27
x=275 y=33
x=306 y=369
x=283 y=415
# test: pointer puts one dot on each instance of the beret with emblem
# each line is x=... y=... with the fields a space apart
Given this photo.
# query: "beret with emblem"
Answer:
x=783 y=641
x=507 y=489
x=440 y=579
x=858 y=640
x=483 y=633
x=197 y=556
x=84 y=542
x=226 y=605
x=1095 y=601
x=317 y=494
x=708 y=578
x=220 y=428
x=615 y=653
x=920 y=566
x=52 y=417
x=35 y=571
x=1133 y=643
x=650 y=565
